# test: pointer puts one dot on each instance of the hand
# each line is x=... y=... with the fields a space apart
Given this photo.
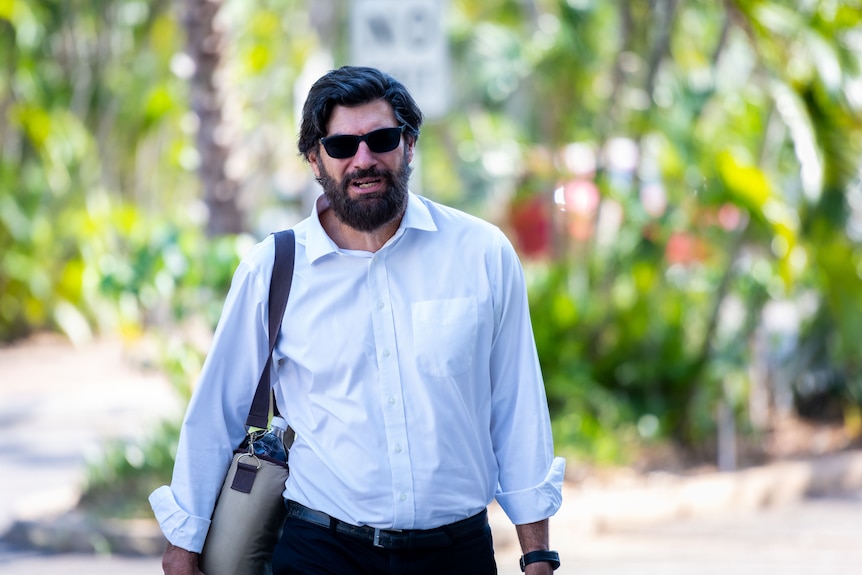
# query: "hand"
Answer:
x=178 y=561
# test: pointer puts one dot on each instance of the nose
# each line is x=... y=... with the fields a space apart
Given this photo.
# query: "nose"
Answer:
x=364 y=157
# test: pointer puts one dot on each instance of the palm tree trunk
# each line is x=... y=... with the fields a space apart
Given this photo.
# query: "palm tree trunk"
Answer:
x=220 y=191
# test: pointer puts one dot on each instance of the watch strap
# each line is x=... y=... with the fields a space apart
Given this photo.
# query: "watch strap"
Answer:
x=551 y=557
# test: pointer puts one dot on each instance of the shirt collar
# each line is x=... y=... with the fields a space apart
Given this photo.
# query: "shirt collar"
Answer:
x=319 y=244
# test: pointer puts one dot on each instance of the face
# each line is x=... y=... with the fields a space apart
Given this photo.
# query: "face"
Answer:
x=367 y=190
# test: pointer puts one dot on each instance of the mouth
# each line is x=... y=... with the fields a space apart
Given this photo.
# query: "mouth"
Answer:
x=362 y=184
x=366 y=185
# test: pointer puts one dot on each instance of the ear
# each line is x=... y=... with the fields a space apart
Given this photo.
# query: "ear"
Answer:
x=411 y=146
x=313 y=160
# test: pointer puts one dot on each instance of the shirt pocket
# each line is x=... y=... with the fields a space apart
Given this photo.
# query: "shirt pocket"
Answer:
x=444 y=335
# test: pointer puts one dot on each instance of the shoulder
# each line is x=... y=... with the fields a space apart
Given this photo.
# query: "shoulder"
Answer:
x=257 y=260
x=451 y=220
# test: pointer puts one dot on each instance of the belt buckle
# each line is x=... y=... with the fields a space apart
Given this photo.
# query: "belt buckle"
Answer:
x=377 y=531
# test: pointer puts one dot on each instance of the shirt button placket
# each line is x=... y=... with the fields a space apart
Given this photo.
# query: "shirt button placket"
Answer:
x=391 y=389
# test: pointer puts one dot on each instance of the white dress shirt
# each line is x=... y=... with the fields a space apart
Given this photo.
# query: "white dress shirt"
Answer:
x=410 y=376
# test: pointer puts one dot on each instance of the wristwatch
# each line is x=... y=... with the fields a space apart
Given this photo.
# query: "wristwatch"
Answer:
x=551 y=557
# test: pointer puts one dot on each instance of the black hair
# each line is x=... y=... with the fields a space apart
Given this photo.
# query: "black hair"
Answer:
x=354 y=86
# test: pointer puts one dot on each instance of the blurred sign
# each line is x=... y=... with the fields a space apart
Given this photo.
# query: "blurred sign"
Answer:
x=406 y=38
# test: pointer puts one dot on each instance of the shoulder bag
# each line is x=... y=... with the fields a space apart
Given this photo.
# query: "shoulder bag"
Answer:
x=249 y=514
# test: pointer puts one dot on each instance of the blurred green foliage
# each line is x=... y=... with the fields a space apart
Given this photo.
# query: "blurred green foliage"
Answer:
x=740 y=121
x=121 y=478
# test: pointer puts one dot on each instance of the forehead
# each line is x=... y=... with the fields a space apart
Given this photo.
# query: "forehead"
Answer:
x=361 y=119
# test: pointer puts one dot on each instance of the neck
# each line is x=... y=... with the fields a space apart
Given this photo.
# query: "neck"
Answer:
x=349 y=238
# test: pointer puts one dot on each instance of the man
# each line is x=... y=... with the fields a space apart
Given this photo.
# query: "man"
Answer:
x=405 y=363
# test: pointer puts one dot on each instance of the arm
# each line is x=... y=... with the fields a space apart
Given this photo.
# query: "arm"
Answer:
x=534 y=537
x=178 y=561
x=531 y=478
x=214 y=421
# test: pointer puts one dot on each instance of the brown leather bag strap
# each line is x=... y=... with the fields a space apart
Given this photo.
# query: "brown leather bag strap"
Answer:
x=279 y=290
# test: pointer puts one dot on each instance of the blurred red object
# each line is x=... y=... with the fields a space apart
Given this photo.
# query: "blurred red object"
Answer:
x=531 y=221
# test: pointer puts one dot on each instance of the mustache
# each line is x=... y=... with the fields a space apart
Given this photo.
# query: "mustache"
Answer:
x=365 y=173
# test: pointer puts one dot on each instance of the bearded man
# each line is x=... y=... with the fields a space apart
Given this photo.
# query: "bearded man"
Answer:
x=405 y=364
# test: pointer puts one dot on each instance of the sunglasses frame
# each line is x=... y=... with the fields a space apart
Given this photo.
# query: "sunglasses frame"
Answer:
x=363 y=138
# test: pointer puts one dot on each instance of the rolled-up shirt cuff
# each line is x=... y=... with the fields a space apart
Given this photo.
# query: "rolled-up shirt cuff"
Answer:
x=538 y=502
x=179 y=527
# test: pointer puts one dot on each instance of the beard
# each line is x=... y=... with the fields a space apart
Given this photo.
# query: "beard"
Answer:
x=371 y=211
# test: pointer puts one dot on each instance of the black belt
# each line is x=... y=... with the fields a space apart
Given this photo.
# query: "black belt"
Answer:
x=391 y=538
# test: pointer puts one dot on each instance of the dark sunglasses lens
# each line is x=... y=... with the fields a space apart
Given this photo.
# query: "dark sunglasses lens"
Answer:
x=379 y=141
x=384 y=140
x=341 y=146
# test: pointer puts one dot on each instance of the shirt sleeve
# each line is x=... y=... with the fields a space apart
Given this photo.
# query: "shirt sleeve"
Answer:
x=214 y=423
x=530 y=477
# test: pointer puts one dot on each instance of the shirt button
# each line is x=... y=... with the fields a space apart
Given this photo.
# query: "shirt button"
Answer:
x=392 y=400
x=397 y=449
x=380 y=305
x=403 y=497
x=386 y=353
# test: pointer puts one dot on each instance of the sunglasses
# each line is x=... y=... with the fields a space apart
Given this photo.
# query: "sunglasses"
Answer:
x=378 y=141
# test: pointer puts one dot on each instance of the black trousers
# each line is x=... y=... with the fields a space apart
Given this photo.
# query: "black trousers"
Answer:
x=308 y=549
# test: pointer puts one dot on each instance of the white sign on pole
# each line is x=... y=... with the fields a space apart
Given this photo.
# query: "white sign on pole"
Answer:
x=406 y=38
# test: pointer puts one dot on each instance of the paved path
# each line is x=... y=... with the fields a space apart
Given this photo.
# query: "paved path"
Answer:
x=58 y=408
x=29 y=563
x=814 y=537
x=81 y=398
